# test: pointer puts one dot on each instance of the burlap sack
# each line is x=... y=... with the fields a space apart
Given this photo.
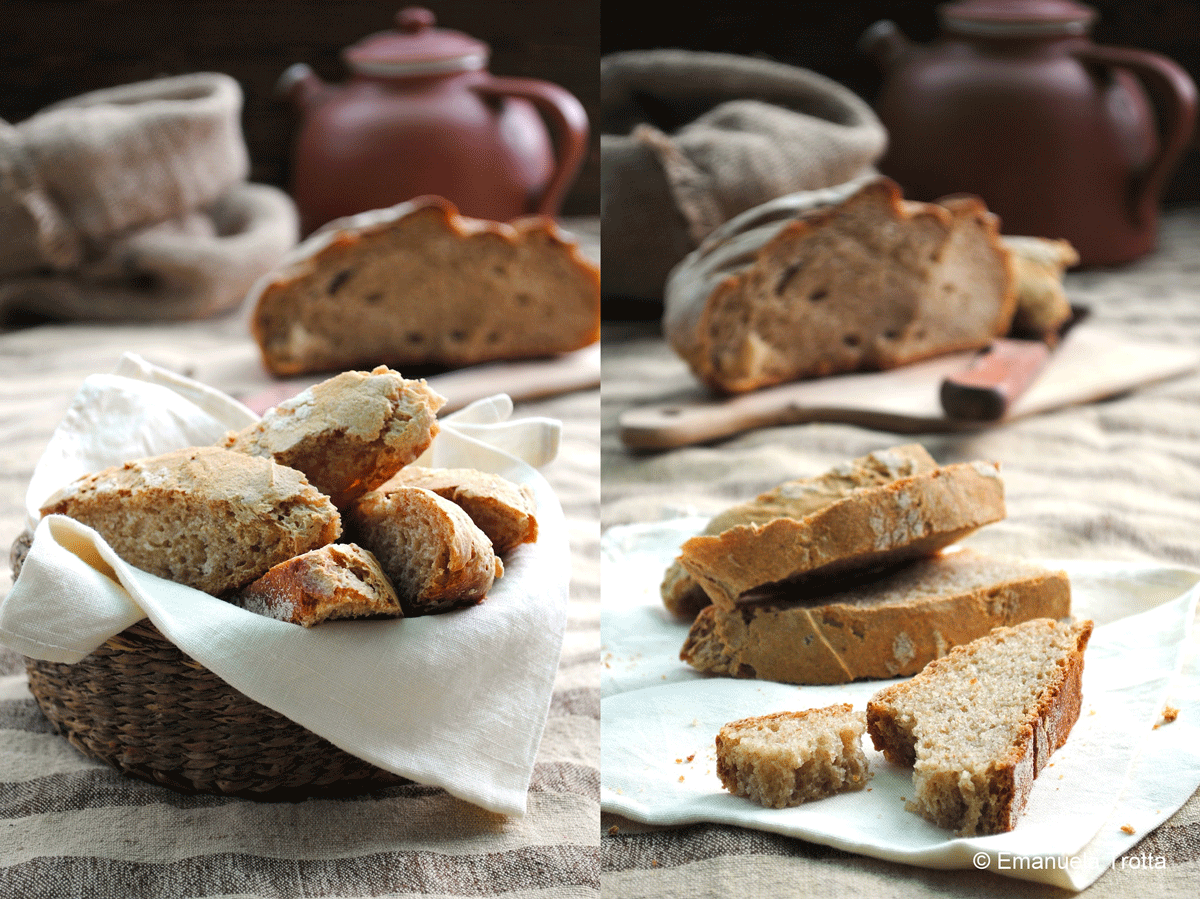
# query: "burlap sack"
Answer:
x=131 y=203
x=692 y=139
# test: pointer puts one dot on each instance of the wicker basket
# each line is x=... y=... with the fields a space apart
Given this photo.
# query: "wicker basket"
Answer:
x=142 y=705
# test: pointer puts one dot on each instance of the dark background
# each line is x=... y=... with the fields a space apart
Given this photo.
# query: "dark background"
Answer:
x=54 y=49
x=821 y=35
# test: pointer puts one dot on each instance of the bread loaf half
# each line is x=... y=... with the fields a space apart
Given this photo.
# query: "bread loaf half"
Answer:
x=873 y=282
x=431 y=551
x=417 y=284
x=206 y=517
x=506 y=512
x=980 y=724
x=870 y=528
x=340 y=580
x=884 y=628
x=348 y=434
x=796 y=499
x=787 y=758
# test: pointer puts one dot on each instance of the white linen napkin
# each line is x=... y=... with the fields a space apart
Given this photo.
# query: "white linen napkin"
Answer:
x=456 y=700
x=1116 y=778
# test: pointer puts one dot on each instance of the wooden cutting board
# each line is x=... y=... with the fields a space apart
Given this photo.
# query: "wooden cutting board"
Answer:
x=1088 y=365
x=523 y=380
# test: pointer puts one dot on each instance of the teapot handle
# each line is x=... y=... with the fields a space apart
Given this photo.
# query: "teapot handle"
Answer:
x=1174 y=89
x=568 y=121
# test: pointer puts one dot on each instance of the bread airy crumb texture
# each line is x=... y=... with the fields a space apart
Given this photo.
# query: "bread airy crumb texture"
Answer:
x=335 y=581
x=876 y=526
x=980 y=724
x=206 y=517
x=433 y=554
x=420 y=284
x=796 y=499
x=348 y=434
x=886 y=627
x=502 y=509
x=789 y=758
x=872 y=283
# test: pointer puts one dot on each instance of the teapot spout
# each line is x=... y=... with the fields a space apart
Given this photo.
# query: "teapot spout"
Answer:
x=300 y=85
x=885 y=43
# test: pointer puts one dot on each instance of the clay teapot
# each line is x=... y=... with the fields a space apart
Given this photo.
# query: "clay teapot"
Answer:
x=422 y=115
x=1013 y=102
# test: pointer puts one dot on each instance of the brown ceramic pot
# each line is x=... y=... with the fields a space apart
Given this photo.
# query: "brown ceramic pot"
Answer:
x=1013 y=102
x=422 y=115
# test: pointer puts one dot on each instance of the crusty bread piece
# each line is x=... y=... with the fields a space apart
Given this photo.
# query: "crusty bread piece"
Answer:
x=1038 y=265
x=505 y=511
x=348 y=434
x=205 y=517
x=980 y=724
x=796 y=499
x=417 y=283
x=340 y=580
x=787 y=758
x=431 y=551
x=871 y=528
x=883 y=628
x=873 y=282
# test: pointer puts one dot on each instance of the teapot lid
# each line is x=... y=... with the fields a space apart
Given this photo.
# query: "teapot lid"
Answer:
x=417 y=48
x=1017 y=17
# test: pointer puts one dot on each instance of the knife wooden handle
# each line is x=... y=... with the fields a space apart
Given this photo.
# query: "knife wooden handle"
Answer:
x=993 y=380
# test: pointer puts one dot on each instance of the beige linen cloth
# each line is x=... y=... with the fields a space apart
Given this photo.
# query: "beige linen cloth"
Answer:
x=131 y=203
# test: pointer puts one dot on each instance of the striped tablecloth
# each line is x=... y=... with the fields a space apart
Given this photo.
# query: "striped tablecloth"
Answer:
x=1116 y=480
x=73 y=827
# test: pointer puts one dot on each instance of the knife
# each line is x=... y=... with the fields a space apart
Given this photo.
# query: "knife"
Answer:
x=1000 y=373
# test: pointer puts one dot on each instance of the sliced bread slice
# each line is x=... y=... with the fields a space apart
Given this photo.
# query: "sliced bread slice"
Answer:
x=980 y=724
x=788 y=758
x=796 y=499
x=348 y=434
x=871 y=528
x=340 y=580
x=884 y=628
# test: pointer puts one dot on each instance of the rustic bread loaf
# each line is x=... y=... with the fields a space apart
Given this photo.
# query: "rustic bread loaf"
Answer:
x=340 y=580
x=788 y=758
x=872 y=527
x=431 y=551
x=882 y=628
x=205 y=517
x=1038 y=265
x=796 y=499
x=504 y=511
x=417 y=284
x=873 y=282
x=980 y=724
x=348 y=434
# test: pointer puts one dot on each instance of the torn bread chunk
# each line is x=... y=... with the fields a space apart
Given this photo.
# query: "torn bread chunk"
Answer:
x=340 y=580
x=348 y=434
x=871 y=528
x=796 y=499
x=886 y=627
x=505 y=511
x=435 y=556
x=206 y=517
x=980 y=724
x=788 y=758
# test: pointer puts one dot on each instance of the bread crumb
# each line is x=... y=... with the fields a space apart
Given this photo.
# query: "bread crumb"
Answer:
x=1128 y=828
x=653 y=863
x=614 y=830
x=1170 y=713
x=691 y=757
x=681 y=778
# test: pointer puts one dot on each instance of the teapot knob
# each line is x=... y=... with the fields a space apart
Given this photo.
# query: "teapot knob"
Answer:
x=415 y=19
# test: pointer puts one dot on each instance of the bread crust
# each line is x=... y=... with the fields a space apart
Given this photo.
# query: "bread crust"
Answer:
x=348 y=434
x=420 y=284
x=897 y=521
x=887 y=628
x=206 y=517
x=992 y=801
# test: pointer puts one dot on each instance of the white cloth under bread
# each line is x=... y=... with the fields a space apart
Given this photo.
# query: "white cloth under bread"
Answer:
x=456 y=700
